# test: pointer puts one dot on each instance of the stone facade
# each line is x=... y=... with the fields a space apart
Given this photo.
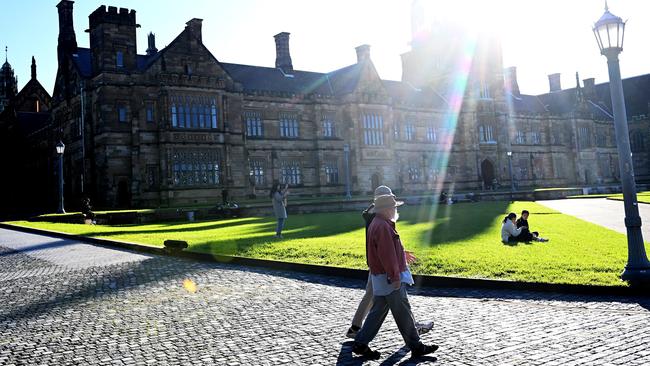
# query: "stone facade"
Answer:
x=176 y=126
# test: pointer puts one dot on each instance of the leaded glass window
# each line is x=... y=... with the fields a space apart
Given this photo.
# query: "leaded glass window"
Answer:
x=331 y=172
x=414 y=171
x=373 y=129
x=290 y=173
x=196 y=167
x=328 y=126
x=195 y=112
x=254 y=126
x=288 y=125
x=257 y=172
x=432 y=136
x=409 y=130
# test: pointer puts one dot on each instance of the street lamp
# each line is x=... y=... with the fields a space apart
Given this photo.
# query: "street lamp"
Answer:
x=609 y=31
x=512 y=181
x=60 y=148
x=346 y=153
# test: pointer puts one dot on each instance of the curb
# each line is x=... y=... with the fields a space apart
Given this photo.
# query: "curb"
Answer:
x=420 y=280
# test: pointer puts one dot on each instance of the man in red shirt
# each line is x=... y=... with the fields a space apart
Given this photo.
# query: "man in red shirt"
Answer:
x=389 y=275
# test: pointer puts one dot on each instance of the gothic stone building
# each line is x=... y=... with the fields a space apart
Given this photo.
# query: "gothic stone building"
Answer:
x=176 y=126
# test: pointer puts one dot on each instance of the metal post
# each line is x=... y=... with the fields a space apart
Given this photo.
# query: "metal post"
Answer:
x=60 y=209
x=637 y=268
x=346 y=153
x=512 y=180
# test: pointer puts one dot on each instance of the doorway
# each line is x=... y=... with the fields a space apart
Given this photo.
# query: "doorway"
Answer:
x=487 y=173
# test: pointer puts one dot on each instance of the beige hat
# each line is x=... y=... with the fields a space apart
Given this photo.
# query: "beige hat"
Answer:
x=383 y=190
x=386 y=201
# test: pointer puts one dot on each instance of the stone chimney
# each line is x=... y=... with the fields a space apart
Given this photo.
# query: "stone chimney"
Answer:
x=589 y=86
x=33 y=68
x=554 y=82
x=363 y=53
x=67 y=39
x=151 y=40
x=282 y=54
x=510 y=76
x=194 y=27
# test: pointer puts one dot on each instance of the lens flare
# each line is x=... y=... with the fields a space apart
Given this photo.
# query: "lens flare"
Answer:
x=189 y=285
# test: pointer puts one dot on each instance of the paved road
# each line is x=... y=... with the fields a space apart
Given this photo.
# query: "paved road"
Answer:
x=601 y=211
x=67 y=303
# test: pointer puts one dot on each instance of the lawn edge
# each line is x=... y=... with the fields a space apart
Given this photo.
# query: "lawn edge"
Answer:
x=420 y=280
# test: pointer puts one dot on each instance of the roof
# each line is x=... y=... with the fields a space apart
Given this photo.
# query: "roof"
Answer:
x=274 y=80
x=30 y=122
x=83 y=60
x=524 y=103
x=404 y=92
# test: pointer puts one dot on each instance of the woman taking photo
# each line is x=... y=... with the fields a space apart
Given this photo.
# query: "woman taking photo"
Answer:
x=279 y=199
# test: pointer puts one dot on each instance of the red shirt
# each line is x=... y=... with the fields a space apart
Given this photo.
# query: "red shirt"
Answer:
x=385 y=250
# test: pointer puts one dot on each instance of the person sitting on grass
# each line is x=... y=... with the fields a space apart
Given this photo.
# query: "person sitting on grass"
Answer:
x=510 y=234
x=522 y=221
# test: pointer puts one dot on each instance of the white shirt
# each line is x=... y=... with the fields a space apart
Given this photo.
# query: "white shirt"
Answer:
x=509 y=229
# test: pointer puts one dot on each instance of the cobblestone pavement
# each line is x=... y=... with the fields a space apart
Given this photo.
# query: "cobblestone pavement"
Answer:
x=601 y=211
x=67 y=303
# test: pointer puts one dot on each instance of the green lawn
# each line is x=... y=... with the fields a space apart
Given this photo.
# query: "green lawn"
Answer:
x=457 y=240
x=643 y=197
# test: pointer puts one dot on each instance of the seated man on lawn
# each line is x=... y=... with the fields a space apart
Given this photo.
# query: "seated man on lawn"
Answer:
x=523 y=222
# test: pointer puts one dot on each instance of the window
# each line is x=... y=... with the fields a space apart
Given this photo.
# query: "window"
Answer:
x=253 y=124
x=485 y=133
x=636 y=142
x=523 y=168
x=483 y=90
x=151 y=172
x=601 y=139
x=409 y=131
x=328 y=126
x=196 y=112
x=119 y=59
x=536 y=138
x=196 y=167
x=520 y=137
x=396 y=130
x=414 y=171
x=331 y=173
x=431 y=134
x=257 y=172
x=288 y=125
x=290 y=173
x=373 y=129
x=149 y=112
x=122 y=113
x=584 y=137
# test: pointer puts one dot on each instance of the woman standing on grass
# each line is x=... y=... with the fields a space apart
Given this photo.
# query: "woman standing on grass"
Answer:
x=279 y=199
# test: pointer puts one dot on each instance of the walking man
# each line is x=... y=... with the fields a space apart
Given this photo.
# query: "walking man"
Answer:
x=389 y=275
x=366 y=302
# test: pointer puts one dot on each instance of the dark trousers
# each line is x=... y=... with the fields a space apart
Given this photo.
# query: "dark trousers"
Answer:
x=398 y=304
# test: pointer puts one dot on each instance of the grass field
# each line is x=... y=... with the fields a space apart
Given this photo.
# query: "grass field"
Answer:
x=457 y=240
x=643 y=197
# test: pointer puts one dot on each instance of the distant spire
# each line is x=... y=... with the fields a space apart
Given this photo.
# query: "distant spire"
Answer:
x=6 y=54
x=33 y=68
x=606 y=7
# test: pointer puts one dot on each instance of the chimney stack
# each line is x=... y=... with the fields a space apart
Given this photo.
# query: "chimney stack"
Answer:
x=512 y=86
x=589 y=85
x=554 y=82
x=195 y=26
x=67 y=39
x=282 y=54
x=151 y=40
x=363 y=53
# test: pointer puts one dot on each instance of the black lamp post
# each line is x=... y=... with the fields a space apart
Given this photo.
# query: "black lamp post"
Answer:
x=60 y=148
x=512 y=180
x=609 y=31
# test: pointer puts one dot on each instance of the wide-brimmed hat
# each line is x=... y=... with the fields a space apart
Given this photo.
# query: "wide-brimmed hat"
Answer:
x=386 y=201
x=383 y=191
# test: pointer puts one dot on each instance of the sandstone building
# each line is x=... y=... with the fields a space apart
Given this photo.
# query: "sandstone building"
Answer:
x=176 y=125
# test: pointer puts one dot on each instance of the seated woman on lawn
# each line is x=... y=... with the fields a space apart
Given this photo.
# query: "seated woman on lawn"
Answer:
x=522 y=221
x=510 y=234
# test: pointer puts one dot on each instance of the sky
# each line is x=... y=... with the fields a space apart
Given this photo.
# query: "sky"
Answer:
x=539 y=37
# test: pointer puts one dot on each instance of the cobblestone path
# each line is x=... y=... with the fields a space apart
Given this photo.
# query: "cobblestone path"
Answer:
x=68 y=303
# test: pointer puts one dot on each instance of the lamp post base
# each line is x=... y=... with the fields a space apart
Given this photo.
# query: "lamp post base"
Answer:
x=636 y=276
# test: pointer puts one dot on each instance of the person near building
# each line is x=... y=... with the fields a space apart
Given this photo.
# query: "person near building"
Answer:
x=390 y=275
x=366 y=302
x=279 y=199
x=522 y=221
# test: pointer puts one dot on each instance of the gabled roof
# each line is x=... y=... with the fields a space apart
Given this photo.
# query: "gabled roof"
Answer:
x=524 y=103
